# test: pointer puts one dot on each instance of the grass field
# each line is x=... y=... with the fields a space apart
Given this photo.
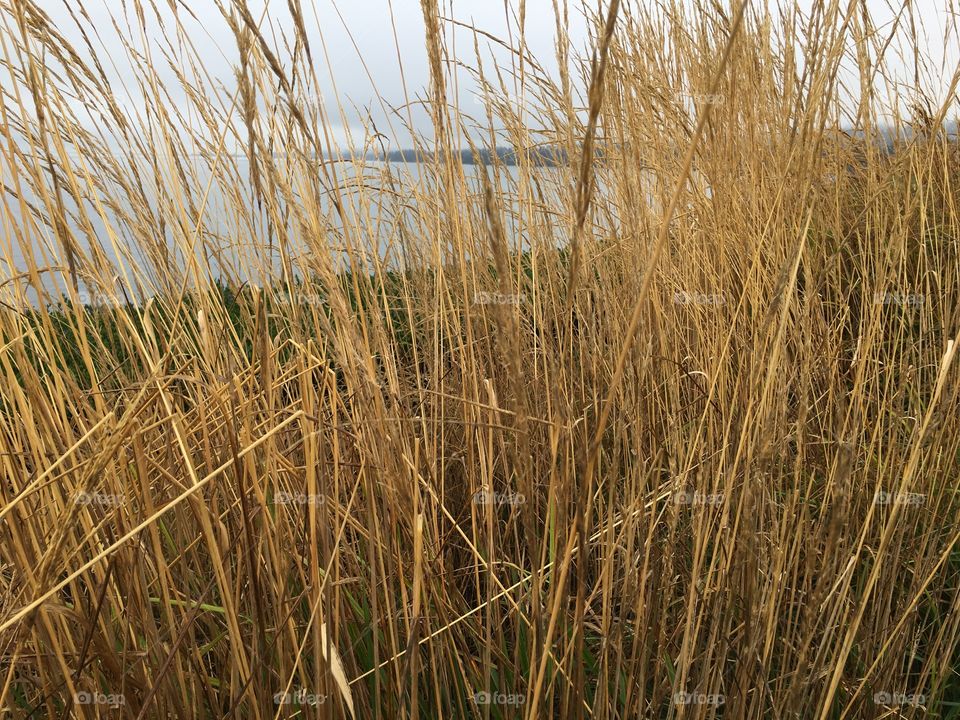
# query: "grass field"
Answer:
x=669 y=430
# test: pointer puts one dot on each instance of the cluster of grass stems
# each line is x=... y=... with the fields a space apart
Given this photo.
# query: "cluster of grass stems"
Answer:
x=675 y=419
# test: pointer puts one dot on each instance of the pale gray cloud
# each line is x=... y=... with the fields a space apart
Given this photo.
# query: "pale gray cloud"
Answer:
x=370 y=54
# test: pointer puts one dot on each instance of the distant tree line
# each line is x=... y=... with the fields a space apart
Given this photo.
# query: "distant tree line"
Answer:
x=552 y=156
x=541 y=156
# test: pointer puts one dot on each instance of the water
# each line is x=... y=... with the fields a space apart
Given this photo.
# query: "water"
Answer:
x=130 y=243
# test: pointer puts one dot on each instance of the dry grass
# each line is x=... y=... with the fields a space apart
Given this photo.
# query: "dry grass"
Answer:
x=703 y=374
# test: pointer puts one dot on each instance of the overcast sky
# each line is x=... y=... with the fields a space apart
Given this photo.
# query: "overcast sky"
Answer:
x=363 y=39
x=357 y=45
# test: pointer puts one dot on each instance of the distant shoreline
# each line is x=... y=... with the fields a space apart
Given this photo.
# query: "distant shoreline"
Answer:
x=542 y=156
